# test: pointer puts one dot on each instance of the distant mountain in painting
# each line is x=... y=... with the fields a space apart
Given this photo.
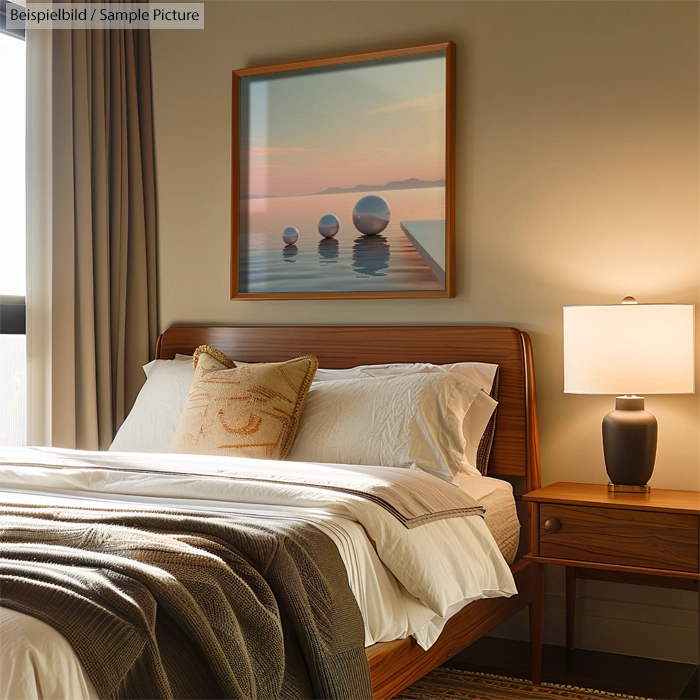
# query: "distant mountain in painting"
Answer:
x=412 y=183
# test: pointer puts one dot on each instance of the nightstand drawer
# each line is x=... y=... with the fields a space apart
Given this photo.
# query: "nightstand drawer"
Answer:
x=646 y=539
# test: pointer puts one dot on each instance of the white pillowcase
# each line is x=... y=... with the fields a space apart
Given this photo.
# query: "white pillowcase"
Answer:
x=478 y=415
x=482 y=373
x=410 y=420
x=151 y=423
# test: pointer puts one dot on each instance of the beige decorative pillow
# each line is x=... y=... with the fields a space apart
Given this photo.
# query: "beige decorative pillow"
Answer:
x=248 y=411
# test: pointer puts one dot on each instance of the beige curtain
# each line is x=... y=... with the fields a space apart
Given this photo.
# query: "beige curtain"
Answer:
x=103 y=222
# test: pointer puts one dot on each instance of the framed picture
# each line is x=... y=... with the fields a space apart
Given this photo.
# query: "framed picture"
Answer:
x=343 y=177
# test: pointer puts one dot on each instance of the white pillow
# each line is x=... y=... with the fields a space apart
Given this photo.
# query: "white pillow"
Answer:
x=479 y=414
x=483 y=373
x=406 y=420
x=151 y=423
x=475 y=423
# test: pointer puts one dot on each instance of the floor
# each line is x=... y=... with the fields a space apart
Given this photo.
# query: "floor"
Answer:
x=614 y=673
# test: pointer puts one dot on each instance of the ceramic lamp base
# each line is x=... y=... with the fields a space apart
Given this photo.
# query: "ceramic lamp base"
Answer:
x=629 y=442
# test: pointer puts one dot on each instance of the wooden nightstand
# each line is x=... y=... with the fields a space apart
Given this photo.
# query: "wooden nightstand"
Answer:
x=649 y=539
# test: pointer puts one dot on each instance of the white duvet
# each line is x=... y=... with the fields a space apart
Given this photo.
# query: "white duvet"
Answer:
x=409 y=583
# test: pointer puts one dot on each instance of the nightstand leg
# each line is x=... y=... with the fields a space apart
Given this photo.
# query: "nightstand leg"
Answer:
x=536 y=613
x=570 y=607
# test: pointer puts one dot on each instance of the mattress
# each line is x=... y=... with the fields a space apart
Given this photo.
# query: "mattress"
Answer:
x=40 y=663
x=501 y=514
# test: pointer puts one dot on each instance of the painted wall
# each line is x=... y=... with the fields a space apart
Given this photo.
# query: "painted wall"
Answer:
x=577 y=183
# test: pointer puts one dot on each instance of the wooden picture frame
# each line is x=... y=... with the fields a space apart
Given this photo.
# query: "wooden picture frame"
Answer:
x=384 y=120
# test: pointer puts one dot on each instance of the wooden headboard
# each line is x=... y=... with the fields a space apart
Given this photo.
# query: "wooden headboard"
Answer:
x=516 y=444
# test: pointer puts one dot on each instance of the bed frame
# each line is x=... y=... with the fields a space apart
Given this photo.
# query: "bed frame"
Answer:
x=515 y=454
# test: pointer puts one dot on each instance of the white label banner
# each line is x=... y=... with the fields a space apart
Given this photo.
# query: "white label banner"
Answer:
x=115 y=15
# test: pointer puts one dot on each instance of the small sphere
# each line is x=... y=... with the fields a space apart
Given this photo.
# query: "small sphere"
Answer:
x=290 y=235
x=328 y=225
x=371 y=215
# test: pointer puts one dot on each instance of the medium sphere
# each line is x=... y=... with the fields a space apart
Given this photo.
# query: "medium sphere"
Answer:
x=328 y=225
x=371 y=215
x=290 y=235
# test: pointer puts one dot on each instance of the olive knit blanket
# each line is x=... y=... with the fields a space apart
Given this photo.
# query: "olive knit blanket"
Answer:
x=187 y=604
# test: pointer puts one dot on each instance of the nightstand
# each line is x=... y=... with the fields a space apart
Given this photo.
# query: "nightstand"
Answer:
x=649 y=539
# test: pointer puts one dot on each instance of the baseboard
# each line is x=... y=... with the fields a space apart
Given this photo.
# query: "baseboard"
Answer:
x=654 y=623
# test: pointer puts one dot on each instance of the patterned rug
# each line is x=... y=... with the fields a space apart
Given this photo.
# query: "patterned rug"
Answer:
x=448 y=683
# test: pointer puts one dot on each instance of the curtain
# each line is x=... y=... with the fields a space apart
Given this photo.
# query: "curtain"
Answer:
x=97 y=313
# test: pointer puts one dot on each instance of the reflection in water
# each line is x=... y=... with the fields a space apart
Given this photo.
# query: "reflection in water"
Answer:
x=289 y=253
x=328 y=251
x=370 y=256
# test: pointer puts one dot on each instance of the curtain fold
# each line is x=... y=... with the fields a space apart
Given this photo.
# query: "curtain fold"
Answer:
x=103 y=304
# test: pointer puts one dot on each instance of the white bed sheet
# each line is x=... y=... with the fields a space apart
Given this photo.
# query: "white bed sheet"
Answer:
x=32 y=663
x=501 y=518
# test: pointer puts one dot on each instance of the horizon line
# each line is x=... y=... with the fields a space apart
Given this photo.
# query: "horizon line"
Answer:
x=428 y=184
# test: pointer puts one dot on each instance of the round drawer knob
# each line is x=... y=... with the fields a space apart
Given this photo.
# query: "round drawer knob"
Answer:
x=552 y=525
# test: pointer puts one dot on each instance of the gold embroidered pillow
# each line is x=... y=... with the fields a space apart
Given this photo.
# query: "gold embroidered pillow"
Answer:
x=248 y=411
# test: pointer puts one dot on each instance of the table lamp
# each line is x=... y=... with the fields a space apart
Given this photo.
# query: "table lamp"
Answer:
x=629 y=350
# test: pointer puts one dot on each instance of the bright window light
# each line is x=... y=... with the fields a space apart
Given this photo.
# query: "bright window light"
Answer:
x=13 y=351
x=12 y=166
x=13 y=390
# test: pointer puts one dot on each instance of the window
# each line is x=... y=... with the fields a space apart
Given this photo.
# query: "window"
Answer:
x=13 y=360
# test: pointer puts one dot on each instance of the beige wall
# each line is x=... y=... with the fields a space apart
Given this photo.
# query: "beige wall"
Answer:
x=577 y=183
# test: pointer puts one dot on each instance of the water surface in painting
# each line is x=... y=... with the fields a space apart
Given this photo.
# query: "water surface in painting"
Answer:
x=349 y=262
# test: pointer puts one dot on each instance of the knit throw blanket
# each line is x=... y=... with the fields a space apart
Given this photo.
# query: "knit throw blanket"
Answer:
x=180 y=604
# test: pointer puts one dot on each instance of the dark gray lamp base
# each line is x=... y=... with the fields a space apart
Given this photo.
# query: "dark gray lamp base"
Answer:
x=629 y=445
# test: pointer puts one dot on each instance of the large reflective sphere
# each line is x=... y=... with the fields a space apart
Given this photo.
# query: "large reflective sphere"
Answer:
x=290 y=235
x=371 y=215
x=328 y=225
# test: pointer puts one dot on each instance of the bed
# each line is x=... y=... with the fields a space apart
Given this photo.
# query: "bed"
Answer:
x=514 y=457
x=515 y=454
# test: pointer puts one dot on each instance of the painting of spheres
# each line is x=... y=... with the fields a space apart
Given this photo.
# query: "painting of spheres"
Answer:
x=343 y=174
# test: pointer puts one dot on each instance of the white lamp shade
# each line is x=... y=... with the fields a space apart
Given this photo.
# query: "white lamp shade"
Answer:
x=629 y=349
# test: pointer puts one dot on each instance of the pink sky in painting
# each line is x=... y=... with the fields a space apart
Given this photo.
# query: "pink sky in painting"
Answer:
x=342 y=128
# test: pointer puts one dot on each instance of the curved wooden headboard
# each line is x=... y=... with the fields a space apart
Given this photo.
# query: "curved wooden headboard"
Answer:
x=516 y=444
